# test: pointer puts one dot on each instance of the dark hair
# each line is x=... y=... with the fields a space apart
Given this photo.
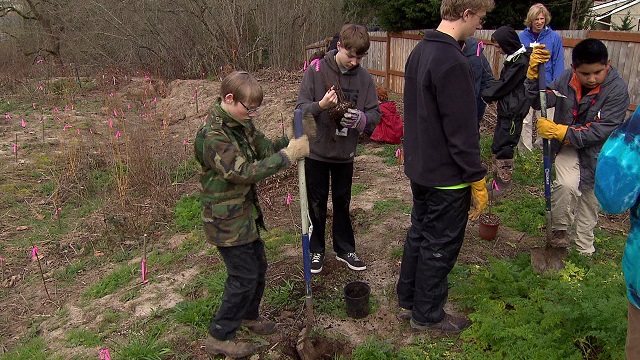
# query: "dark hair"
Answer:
x=589 y=51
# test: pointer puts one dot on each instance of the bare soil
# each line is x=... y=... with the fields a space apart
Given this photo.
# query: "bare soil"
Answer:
x=25 y=308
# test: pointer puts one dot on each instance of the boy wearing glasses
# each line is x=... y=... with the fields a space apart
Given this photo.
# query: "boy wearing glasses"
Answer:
x=337 y=78
x=442 y=161
x=234 y=156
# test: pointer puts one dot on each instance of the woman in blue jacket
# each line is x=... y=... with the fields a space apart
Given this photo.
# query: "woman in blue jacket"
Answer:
x=538 y=32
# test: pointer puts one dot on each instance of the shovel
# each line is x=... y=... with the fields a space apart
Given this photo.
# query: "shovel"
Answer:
x=304 y=346
x=545 y=258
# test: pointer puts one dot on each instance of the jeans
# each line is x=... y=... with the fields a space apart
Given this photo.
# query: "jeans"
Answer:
x=318 y=174
x=243 y=289
x=438 y=221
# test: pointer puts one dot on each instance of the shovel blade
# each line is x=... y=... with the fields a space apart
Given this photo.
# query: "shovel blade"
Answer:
x=547 y=258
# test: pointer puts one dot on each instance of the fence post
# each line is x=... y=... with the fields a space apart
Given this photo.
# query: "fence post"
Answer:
x=387 y=65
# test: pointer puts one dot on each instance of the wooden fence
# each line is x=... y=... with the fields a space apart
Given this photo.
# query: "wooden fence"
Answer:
x=389 y=51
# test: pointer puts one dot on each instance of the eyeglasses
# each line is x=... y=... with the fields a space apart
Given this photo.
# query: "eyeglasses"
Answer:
x=249 y=111
x=482 y=19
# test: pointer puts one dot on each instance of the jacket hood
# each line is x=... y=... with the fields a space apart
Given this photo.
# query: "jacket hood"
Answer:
x=330 y=60
x=508 y=39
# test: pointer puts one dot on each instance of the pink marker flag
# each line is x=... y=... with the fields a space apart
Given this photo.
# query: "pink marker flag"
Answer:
x=34 y=253
x=118 y=134
x=22 y=123
x=398 y=152
x=7 y=116
x=288 y=198
x=480 y=47
x=115 y=113
x=55 y=109
x=104 y=354
x=143 y=265
x=78 y=131
x=494 y=185
x=185 y=142
x=110 y=122
x=15 y=148
x=34 y=106
x=2 y=259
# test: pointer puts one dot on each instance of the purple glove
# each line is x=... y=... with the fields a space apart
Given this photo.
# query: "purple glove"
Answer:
x=354 y=119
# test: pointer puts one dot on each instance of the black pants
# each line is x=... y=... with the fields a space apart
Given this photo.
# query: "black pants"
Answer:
x=506 y=136
x=246 y=268
x=438 y=221
x=317 y=175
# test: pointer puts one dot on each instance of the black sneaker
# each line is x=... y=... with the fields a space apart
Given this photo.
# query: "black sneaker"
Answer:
x=352 y=261
x=317 y=259
x=450 y=324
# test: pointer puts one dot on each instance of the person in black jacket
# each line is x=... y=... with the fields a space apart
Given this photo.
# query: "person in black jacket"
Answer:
x=442 y=161
x=513 y=104
x=482 y=73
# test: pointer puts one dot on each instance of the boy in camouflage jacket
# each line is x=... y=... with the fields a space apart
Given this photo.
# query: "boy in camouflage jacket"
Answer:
x=235 y=156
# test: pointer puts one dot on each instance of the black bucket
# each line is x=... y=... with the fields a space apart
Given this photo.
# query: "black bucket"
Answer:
x=356 y=295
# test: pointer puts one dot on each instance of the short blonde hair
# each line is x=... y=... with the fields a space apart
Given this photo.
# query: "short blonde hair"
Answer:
x=534 y=11
x=243 y=86
x=452 y=10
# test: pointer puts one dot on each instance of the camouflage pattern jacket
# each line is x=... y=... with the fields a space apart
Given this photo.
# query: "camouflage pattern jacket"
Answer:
x=234 y=157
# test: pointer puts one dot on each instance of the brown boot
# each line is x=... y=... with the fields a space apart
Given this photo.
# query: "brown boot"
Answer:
x=260 y=326
x=229 y=348
x=502 y=177
x=560 y=239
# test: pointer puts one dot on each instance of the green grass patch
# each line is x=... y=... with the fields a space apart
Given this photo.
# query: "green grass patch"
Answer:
x=114 y=281
x=207 y=290
x=80 y=337
x=282 y=296
x=529 y=170
x=485 y=146
x=70 y=272
x=34 y=349
x=145 y=346
x=186 y=170
x=391 y=206
x=388 y=153
x=522 y=211
x=358 y=188
x=187 y=213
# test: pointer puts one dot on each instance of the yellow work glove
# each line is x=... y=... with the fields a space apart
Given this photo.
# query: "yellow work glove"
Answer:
x=538 y=56
x=550 y=130
x=297 y=149
x=479 y=198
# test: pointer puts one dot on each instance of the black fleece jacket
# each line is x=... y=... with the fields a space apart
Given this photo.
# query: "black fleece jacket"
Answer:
x=442 y=140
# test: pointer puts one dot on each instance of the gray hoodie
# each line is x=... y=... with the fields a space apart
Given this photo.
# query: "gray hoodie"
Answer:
x=357 y=85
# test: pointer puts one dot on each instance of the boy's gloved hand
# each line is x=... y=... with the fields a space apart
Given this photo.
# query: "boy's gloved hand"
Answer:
x=550 y=130
x=297 y=149
x=479 y=198
x=354 y=119
x=538 y=56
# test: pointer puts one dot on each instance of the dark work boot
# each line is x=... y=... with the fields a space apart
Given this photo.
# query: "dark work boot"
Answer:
x=260 y=326
x=502 y=177
x=450 y=324
x=560 y=239
x=229 y=348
